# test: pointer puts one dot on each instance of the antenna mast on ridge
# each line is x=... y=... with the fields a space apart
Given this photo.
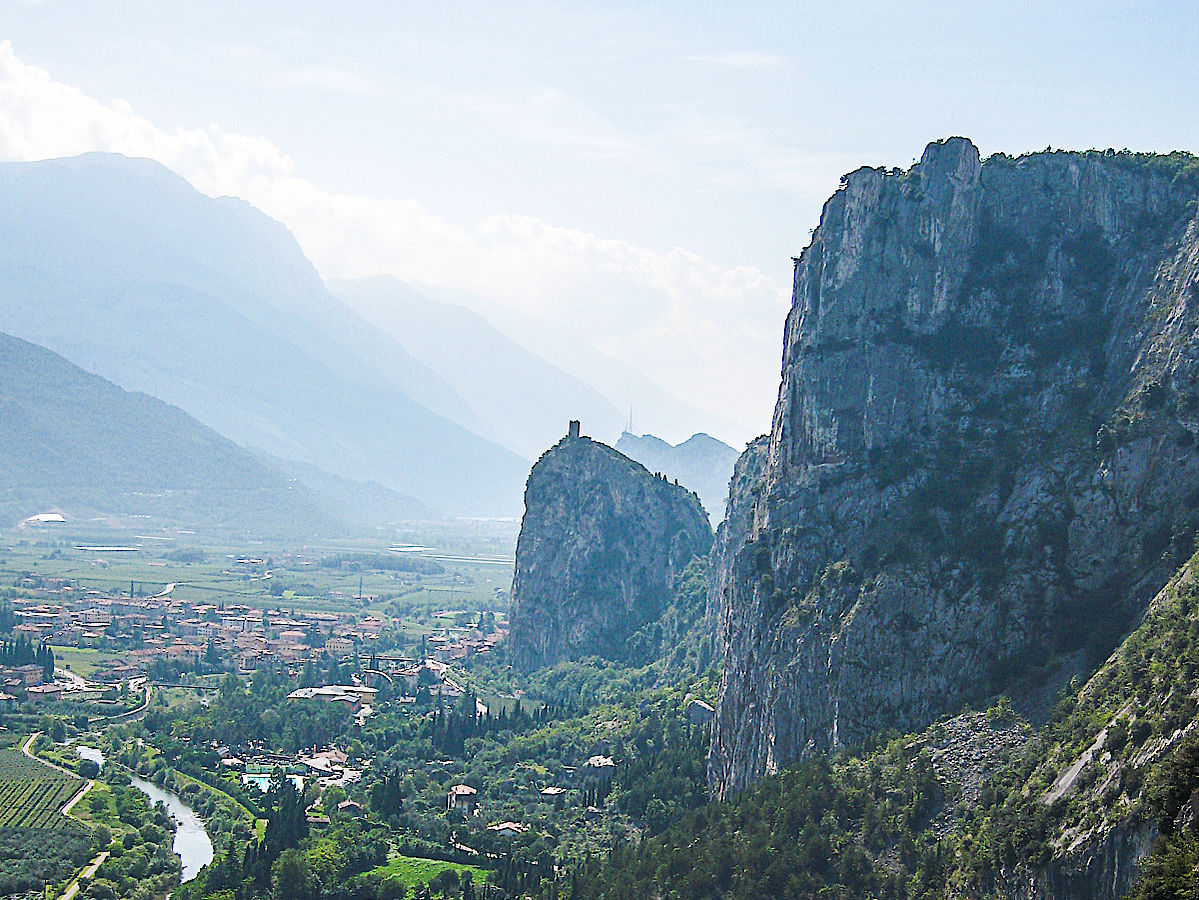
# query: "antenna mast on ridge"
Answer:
x=629 y=426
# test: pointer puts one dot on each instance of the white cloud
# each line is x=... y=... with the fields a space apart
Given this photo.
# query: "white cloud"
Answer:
x=41 y=118
x=709 y=334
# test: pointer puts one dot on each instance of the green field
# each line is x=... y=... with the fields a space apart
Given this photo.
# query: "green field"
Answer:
x=295 y=578
x=32 y=794
x=83 y=661
x=412 y=870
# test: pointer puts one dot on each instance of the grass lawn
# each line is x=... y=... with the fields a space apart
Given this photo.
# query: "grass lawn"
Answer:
x=412 y=870
x=83 y=661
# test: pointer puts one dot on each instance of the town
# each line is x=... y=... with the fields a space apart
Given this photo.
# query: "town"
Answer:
x=360 y=693
x=135 y=638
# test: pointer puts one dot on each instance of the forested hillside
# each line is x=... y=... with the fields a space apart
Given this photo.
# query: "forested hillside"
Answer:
x=978 y=805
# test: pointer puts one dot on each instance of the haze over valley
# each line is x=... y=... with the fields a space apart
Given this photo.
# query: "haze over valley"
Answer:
x=545 y=453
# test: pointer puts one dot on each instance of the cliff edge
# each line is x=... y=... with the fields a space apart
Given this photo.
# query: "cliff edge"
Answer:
x=981 y=464
x=600 y=545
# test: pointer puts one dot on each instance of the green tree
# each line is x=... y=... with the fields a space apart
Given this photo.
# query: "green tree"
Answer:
x=289 y=877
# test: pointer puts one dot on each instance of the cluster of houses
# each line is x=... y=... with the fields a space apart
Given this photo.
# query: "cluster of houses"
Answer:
x=150 y=628
x=358 y=698
x=16 y=682
x=137 y=631
x=463 y=799
x=257 y=766
x=460 y=644
x=21 y=684
x=143 y=629
x=408 y=674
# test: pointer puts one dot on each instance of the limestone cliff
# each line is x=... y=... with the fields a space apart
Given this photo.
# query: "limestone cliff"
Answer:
x=600 y=545
x=981 y=463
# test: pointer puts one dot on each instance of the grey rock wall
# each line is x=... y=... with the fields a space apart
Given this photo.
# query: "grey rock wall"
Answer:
x=600 y=546
x=981 y=461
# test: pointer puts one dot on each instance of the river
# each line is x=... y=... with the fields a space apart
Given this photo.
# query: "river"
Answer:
x=91 y=753
x=192 y=844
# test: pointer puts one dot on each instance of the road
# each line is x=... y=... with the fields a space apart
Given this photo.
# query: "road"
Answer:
x=79 y=795
x=76 y=681
x=95 y=864
x=70 y=804
x=29 y=743
x=88 y=872
x=136 y=713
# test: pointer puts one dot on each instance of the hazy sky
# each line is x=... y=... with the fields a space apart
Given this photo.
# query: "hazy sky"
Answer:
x=644 y=172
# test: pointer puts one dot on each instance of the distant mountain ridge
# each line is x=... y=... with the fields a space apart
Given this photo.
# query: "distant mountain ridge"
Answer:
x=700 y=463
x=515 y=396
x=72 y=441
x=123 y=268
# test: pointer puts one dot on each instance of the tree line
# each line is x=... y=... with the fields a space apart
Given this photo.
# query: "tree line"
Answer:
x=21 y=651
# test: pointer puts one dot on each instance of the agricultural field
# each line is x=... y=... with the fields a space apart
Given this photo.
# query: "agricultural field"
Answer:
x=32 y=794
x=450 y=566
x=83 y=661
x=32 y=858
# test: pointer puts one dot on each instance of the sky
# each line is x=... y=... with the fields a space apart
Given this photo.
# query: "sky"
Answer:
x=639 y=172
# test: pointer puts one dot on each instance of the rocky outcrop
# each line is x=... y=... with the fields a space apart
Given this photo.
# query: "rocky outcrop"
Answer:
x=981 y=460
x=600 y=544
x=1105 y=869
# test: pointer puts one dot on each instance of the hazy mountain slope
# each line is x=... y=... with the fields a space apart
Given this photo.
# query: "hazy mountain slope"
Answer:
x=125 y=269
x=70 y=440
x=520 y=400
x=701 y=463
x=654 y=408
x=365 y=503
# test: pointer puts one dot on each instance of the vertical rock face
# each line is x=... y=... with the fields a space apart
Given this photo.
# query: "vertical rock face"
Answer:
x=982 y=452
x=600 y=544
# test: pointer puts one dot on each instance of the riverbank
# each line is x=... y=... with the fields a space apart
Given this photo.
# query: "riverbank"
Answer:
x=191 y=841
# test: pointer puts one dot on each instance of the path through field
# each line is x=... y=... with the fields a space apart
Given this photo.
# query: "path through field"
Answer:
x=88 y=872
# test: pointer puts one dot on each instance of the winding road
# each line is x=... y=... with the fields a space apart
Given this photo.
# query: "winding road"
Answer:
x=129 y=715
x=79 y=795
x=90 y=869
